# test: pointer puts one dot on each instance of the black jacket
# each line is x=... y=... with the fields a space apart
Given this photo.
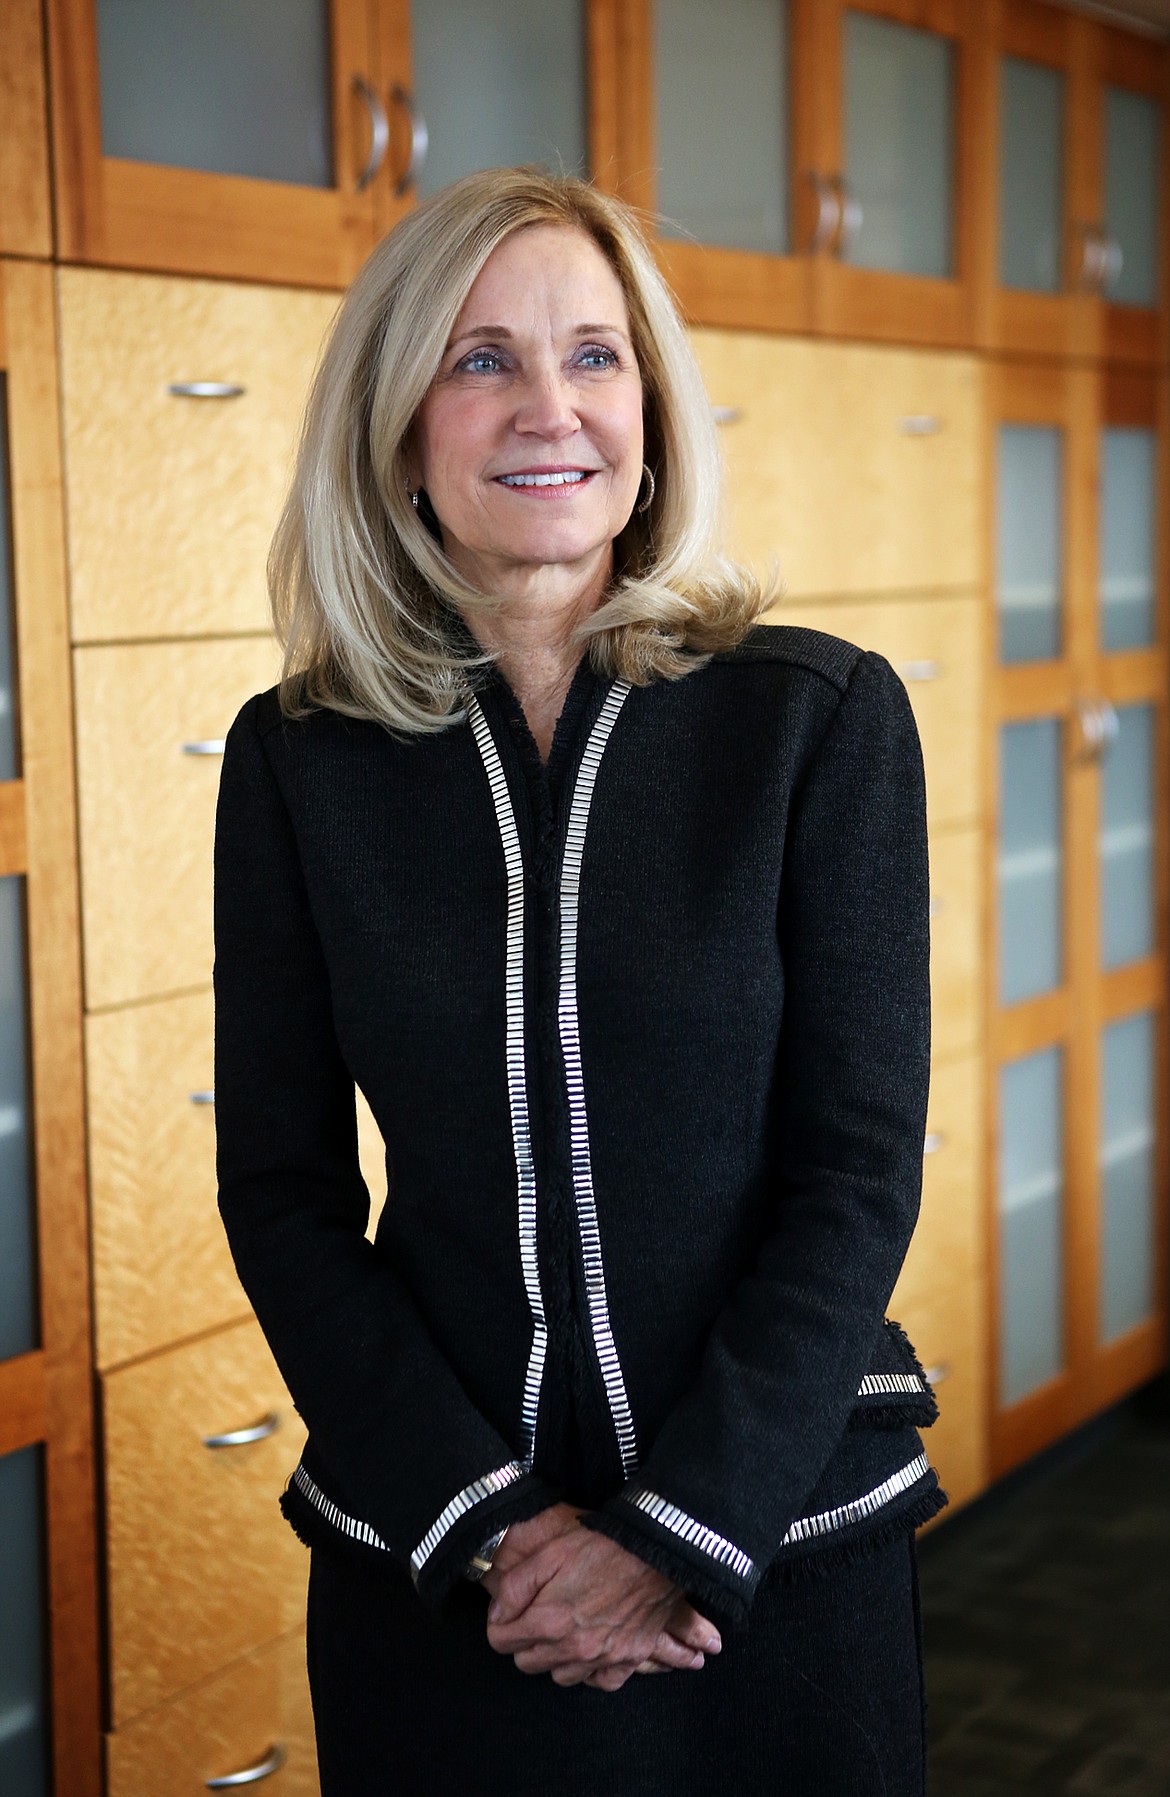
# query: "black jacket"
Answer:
x=647 y=1036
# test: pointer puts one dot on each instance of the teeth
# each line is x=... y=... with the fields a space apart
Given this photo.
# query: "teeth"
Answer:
x=568 y=479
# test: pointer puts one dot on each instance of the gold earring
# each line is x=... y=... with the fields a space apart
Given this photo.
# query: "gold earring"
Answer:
x=645 y=504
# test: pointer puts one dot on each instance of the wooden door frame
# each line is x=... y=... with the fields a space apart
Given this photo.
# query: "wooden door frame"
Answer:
x=46 y=1396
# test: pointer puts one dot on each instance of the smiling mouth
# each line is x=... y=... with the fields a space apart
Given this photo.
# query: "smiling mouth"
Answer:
x=560 y=477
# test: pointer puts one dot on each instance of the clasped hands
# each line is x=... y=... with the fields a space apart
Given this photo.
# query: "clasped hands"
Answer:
x=574 y=1604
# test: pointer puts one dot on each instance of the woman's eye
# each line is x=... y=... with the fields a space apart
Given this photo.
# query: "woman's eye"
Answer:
x=481 y=361
x=598 y=356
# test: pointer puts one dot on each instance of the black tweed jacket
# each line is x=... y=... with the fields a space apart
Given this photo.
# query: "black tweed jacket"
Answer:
x=647 y=1035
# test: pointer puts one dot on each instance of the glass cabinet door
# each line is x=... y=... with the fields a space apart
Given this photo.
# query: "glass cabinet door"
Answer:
x=1030 y=541
x=1031 y=859
x=1031 y=174
x=24 y=1757
x=1128 y=535
x=1031 y=1232
x=493 y=94
x=1127 y=1174
x=1127 y=838
x=1132 y=150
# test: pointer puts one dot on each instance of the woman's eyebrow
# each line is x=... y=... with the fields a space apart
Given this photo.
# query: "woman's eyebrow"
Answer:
x=502 y=331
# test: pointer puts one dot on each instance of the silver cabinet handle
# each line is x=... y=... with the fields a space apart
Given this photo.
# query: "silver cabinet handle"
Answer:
x=207 y=1097
x=238 y=1438
x=1099 y=728
x=920 y=424
x=933 y=1141
x=379 y=132
x=419 y=139
x=1101 y=259
x=206 y=389
x=828 y=212
x=925 y=669
x=852 y=217
x=210 y=745
x=1112 y=262
x=250 y=1775
x=936 y=1374
x=726 y=414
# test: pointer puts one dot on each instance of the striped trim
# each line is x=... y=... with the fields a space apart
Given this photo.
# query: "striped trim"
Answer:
x=880 y=1383
x=517 y=1084
x=697 y=1534
x=349 y=1525
x=460 y=1504
x=806 y=1528
x=568 y=1022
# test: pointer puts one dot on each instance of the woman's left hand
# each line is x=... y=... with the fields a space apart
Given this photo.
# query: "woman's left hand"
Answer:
x=584 y=1610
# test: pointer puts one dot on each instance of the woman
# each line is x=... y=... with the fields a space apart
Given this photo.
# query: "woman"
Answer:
x=615 y=907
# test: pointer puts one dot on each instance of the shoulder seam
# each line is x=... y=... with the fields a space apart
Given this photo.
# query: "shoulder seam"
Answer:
x=830 y=657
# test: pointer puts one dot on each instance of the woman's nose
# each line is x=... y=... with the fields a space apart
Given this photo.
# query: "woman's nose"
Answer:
x=547 y=405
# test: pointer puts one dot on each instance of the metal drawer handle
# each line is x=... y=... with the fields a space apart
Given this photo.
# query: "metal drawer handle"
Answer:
x=379 y=132
x=420 y=139
x=211 y=745
x=206 y=389
x=933 y=1141
x=920 y=670
x=920 y=424
x=207 y=1097
x=828 y=212
x=936 y=1374
x=251 y=1775
x=237 y=1438
x=852 y=216
x=726 y=414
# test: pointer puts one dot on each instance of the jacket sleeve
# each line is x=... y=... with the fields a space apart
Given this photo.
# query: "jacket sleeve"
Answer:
x=408 y=1455
x=722 y=1483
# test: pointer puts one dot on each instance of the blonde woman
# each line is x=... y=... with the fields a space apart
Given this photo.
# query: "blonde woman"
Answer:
x=614 y=904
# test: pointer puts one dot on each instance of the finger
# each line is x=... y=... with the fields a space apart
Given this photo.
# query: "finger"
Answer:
x=675 y=1655
x=652 y=1666
x=695 y=1631
x=609 y=1678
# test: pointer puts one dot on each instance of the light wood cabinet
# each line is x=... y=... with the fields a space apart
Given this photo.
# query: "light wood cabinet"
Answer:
x=151 y=719
x=26 y=224
x=935 y=645
x=202 y=1566
x=956 y=941
x=162 y=1270
x=240 y=1720
x=855 y=468
x=173 y=495
x=948 y=1328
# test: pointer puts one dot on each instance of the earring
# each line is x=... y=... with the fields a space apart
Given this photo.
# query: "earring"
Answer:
x=413 y=496
x=645 y=504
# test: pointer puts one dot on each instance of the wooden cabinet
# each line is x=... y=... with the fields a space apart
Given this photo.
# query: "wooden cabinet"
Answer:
x=50 y=1690
x=182 y=404
x=1077 y=895
x=1076 y=252
x=26 y=225
x=855 y=468
x=201 y=1569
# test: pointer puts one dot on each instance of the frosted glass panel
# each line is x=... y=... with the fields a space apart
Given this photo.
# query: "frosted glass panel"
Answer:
x=716 y=64
x=1031 y=1194
x=1128 y=528
x=899 y=145
x=1127 y=839
x=1031 y=157
x=1030 y=859
x=498 y=87
x=18 y=1308
x=213 y=85
x=24 y=1768
x=1128 y=1112
x=9 y=755
x=1131 y=193
x=1029 y=568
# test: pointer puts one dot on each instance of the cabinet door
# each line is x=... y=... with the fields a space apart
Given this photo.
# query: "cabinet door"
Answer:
x=1132 y=103
x=901 y=136
x=737 y=213
x=217 y=139
x=1078 y=965
x=48 y=1596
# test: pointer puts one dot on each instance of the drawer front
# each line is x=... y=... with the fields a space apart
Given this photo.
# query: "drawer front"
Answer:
x=162 y=1269
x=956 y=941
x=948 y=1243
x=948 y=1328
x=936 y=647
x=255 y=1713
x=202 y=1566
x=147 y=808
x=172 y=500
x=856 y=468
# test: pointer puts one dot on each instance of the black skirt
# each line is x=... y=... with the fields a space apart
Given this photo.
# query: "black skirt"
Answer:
x=820 y=1696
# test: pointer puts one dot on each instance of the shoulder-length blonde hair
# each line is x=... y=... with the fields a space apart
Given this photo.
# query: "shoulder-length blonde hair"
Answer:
x=361 y=590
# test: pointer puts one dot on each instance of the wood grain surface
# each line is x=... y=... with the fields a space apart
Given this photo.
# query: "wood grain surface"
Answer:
x=956 y=942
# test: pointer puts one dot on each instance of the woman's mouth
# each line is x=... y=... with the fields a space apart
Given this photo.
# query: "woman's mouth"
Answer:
x=548 y=481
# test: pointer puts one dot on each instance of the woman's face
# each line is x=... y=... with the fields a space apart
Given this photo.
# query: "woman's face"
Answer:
x=538 y=380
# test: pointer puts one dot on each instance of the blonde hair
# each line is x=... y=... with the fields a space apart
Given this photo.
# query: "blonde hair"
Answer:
x=361 y=590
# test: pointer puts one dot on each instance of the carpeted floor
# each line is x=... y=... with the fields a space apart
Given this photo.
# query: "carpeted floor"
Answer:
x=1046 y=1617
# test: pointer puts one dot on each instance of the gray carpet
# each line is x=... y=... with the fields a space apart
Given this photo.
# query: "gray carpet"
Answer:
x=1046 y=1618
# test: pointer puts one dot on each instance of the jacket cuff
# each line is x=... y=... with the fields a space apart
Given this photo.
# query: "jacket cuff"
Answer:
x=719 y=1578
